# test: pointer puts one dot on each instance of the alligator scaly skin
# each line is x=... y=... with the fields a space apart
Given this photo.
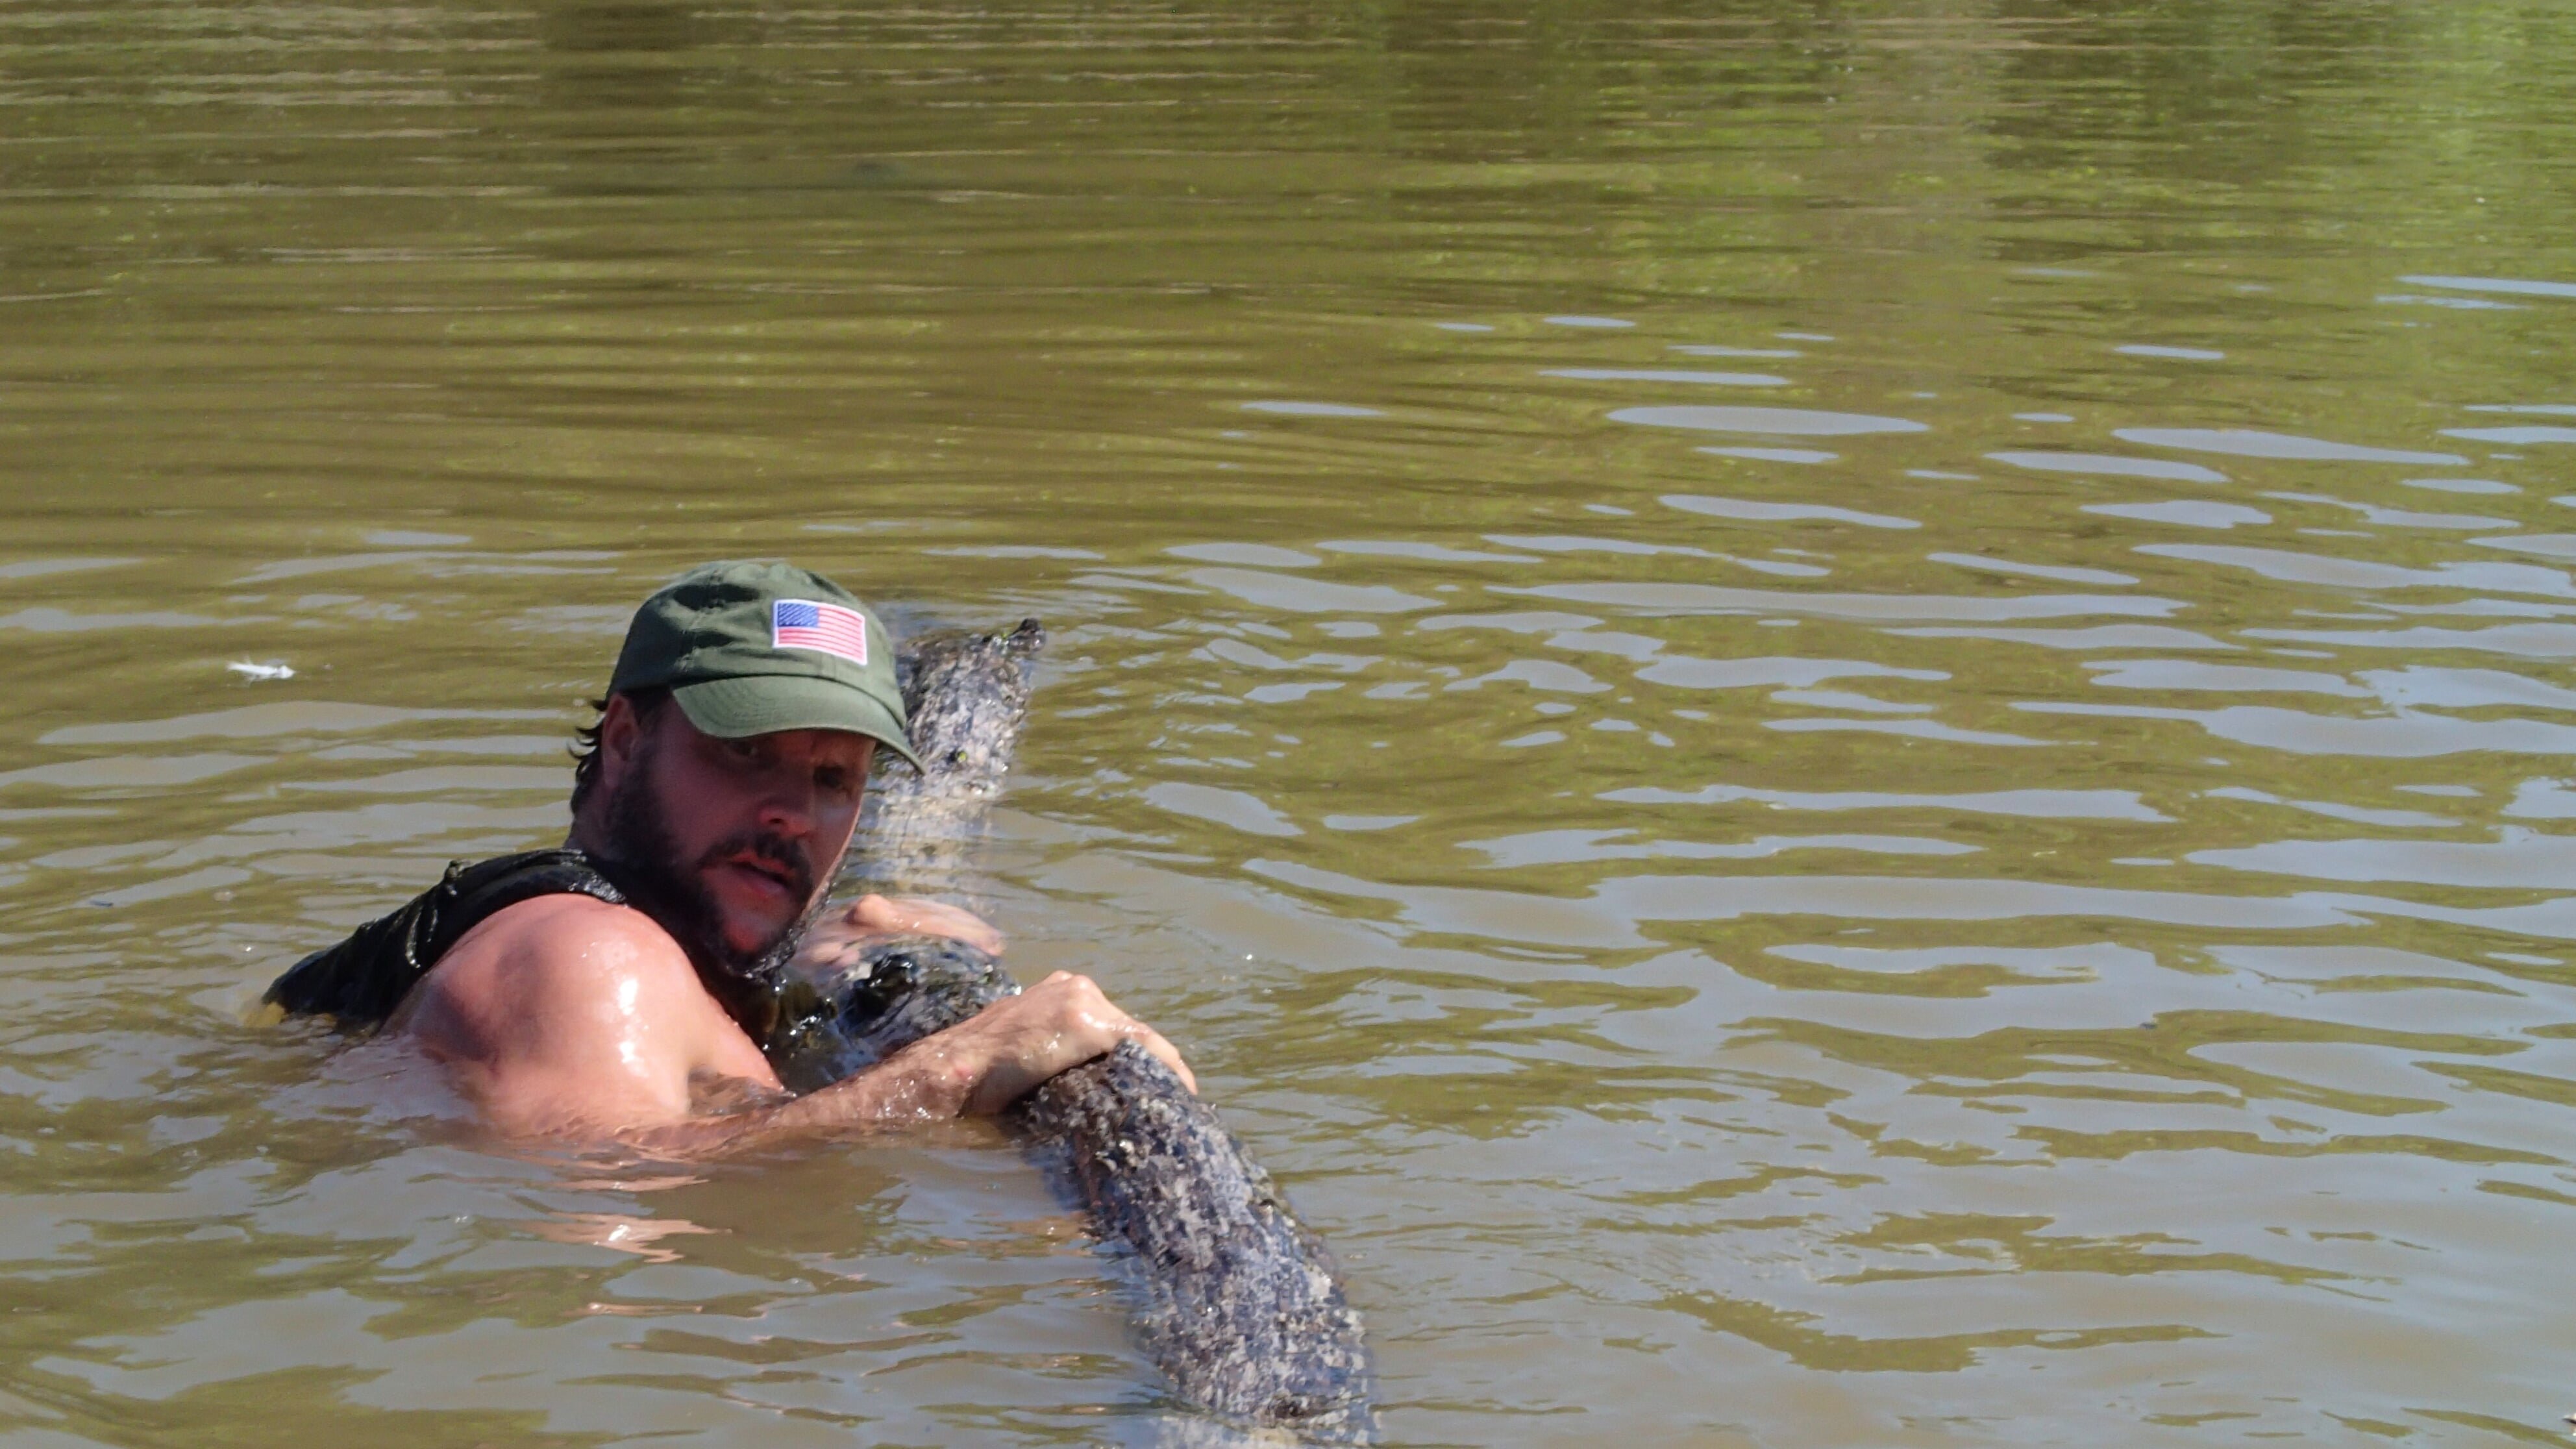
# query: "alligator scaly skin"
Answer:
x=1233 y=1298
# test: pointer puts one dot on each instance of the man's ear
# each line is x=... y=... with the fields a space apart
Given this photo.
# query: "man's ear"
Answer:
x=621 y=737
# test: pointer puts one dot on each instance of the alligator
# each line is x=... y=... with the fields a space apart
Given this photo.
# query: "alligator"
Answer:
x=1236 y=1301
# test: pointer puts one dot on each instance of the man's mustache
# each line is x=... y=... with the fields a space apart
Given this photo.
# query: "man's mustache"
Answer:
x=770 y=848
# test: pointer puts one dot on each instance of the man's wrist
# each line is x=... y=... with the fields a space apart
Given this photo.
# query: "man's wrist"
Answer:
x=932 y=1079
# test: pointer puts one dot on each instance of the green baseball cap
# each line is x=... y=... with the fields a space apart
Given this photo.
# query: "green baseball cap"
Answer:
x=750 y=647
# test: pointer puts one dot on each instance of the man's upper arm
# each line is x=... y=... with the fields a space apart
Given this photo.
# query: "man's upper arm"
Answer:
x=565 y=1014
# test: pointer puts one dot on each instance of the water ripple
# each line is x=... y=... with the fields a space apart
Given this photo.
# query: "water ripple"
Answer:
x=1792 y=422
x=2249 y=443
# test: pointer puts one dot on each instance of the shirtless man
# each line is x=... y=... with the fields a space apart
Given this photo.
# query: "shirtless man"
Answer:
x=607 y=989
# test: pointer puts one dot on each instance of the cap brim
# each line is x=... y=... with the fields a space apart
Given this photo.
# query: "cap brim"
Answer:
x=761 y=704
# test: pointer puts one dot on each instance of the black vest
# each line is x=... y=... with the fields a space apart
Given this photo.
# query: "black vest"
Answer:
x=360 y=981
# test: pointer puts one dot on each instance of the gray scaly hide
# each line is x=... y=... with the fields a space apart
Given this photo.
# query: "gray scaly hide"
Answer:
x=1230 y=1295
x=965 y=699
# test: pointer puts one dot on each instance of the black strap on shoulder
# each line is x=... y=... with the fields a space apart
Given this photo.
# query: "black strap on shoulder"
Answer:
x=361 y=980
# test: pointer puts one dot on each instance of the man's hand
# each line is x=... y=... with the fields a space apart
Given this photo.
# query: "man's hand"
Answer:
x=992 y=1058
x=839 y=937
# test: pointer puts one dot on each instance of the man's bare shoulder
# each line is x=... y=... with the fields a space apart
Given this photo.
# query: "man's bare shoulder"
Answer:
x=547 y=976
x=566 y=1013
x=565 y=943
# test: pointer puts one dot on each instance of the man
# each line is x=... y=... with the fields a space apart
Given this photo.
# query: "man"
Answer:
x=615 y=987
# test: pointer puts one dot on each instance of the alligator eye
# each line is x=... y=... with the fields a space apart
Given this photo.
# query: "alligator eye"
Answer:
x=956 y=757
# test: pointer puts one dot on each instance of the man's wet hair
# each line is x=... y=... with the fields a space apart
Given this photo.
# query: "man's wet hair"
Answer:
x=646 y=703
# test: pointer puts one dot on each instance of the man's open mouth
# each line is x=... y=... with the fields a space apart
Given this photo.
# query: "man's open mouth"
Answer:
x=770 y=873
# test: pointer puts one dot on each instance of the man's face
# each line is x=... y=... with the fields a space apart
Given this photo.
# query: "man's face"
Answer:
x=741 y=838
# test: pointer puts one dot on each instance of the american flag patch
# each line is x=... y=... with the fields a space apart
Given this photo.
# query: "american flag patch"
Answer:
x=823 y=628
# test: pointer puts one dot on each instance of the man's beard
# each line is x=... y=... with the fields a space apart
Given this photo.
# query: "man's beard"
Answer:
x=648 y=870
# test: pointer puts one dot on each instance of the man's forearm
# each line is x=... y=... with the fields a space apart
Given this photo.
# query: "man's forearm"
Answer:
x=922 y=1083
x=981 y=1065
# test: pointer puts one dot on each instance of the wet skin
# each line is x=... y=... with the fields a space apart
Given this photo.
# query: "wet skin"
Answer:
x=564 y=1016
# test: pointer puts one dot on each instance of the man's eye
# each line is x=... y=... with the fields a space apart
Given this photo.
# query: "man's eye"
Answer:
x=832 y=782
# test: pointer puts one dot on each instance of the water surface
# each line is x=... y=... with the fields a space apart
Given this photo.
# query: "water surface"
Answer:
x=1840 y=724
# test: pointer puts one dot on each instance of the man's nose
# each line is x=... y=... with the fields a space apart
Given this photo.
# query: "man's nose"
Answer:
x=787 y=806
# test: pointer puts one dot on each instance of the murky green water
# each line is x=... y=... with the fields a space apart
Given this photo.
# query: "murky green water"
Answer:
x=1841 y=724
